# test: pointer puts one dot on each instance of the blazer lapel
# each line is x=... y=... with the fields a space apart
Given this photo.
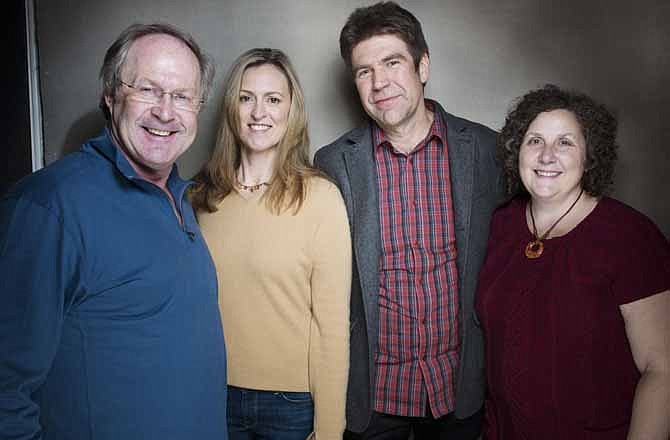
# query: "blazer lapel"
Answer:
x=461 y=170
x=362 y=174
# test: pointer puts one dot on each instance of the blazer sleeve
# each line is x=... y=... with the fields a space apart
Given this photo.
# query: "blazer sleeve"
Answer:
x=321 y=161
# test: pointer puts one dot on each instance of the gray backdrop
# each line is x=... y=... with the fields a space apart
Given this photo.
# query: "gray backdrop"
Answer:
x=484 y=54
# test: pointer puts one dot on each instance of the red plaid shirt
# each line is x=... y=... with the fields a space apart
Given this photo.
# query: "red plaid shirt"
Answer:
x=418 y=300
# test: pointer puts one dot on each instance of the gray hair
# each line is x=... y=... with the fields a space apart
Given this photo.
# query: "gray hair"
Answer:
x=115 y=58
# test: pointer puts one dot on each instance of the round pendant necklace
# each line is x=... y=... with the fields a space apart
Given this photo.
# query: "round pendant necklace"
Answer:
x=535 y=247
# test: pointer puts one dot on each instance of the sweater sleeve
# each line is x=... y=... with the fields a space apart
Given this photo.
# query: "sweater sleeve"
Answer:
x=329 y=332
x=36 y=266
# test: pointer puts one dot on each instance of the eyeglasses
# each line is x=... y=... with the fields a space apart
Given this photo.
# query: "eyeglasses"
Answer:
x=154 y=95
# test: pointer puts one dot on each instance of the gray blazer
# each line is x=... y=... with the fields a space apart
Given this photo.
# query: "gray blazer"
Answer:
x=477 y=190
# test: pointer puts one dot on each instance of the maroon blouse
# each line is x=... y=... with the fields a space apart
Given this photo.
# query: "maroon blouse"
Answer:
x=558 y=361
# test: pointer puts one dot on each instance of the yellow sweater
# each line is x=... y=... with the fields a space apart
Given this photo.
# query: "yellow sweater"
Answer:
x=284 y=285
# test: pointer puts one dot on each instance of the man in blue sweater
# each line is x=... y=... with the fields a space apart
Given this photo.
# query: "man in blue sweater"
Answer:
x=109 y=324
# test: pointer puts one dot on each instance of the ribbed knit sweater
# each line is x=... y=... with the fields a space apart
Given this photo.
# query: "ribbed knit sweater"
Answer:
x=284 y=285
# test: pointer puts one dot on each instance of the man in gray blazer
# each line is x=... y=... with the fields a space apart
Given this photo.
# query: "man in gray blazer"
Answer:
x=420 y=186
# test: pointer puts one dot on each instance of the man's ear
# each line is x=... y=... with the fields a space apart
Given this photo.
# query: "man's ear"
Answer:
x=109 y=102
x=424 y=68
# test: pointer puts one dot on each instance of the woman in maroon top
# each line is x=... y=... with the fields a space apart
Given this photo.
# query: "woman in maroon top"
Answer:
x=574 y=294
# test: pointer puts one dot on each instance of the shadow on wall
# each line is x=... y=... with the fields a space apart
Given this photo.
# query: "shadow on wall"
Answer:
x=341 y=96
x=579 y=54
x=344 y=110
x=344 y=86
x=88 y=126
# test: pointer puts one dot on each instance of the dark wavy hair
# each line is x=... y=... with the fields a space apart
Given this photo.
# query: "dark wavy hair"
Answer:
x=599 y=128
x=383 y=18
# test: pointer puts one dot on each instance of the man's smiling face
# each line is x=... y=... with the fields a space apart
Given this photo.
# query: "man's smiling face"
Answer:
x=389 y=85
x=153 y=136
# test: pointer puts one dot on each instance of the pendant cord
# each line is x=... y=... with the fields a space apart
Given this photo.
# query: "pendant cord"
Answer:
x=532 y=218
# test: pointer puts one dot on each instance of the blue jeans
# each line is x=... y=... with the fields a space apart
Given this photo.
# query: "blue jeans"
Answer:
x=271 y=415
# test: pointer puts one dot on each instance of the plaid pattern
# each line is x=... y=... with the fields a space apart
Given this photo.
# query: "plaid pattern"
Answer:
x=418 y=301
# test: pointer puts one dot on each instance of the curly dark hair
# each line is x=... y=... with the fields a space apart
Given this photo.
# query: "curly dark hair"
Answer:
x=598 y=124
x=383 y=18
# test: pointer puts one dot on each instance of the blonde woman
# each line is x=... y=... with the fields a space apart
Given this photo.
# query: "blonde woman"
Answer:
x=279 y=235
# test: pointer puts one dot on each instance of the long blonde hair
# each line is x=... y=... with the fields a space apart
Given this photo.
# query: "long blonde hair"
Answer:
x=292 y=169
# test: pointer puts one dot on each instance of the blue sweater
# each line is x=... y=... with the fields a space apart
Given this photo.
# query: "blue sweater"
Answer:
x=109 y=323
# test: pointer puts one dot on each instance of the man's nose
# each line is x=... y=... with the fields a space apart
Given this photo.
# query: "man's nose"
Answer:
x=379 y=79
x=164 y=109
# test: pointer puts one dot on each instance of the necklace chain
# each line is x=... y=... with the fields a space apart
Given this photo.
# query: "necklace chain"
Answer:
x=252 y=188
x=535 y=248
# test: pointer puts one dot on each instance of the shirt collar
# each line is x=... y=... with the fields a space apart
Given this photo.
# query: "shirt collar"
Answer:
x=105 y=146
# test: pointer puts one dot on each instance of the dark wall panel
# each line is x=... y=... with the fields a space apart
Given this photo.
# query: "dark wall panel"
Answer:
x=484 y=54
x=16 y=153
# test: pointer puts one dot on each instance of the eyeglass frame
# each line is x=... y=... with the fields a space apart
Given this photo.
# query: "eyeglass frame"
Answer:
x=158 y=93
